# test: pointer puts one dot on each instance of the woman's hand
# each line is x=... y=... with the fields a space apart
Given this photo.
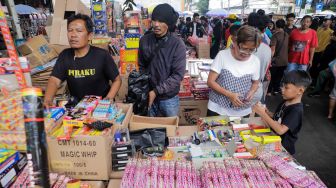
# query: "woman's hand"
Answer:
x=249 y=96
x=234 y=98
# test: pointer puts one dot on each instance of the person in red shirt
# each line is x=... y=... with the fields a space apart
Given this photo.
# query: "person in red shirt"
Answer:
x=302 y=44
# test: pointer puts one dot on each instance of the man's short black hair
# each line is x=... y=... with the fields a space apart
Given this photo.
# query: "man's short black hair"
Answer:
x=188 y=19
x=307 y=16
x=290 y=15
x=280 y=23
x=261 y=12
x=195 y=15
x=298 y=78
x=258 y=21
x=85 y=18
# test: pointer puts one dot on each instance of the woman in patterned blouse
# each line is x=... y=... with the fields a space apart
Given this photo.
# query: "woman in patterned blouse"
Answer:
x=234 y=75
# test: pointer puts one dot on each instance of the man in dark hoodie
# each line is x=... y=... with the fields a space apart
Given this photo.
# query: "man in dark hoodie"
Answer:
x=163 y=55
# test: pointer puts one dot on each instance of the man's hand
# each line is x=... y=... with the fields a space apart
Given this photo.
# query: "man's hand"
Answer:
x=234 y=98
x=47 y=103
x=152 y=97
x=259 y=109
x=108 y=98
x=310 y=63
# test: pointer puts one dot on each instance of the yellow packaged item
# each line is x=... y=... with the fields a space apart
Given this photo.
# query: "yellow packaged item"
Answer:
x=270 y=139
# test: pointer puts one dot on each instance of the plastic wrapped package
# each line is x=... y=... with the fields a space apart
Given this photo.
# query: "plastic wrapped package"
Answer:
x=150 y=138
x=13 y=140
x=11 y=112
x=138 y=89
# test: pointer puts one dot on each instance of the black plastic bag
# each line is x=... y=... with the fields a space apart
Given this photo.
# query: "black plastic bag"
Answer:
x=138 y=89
x=147 y=138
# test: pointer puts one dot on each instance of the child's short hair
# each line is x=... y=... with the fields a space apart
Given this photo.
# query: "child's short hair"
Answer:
x=297 y=78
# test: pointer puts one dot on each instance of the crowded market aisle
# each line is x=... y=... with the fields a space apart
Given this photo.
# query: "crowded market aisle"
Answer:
x=316 y=138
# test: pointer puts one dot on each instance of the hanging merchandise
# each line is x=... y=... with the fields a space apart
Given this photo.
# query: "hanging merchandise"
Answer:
x=132 y=40
x=111 y=22
x=132 y=19
x=128 y=61
x=98 y=8
x=11 y=49
x=36 y=138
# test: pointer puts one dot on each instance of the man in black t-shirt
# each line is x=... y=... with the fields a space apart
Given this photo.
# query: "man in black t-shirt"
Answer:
x=88 y=70
x=290 y=19
x=287 y=120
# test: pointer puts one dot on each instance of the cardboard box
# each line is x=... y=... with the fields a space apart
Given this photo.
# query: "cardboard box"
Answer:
x=205 y=53
x=59 y=48
x=34 y=60
x=95 y=184
x=186 y=130
x=59 y=32
x=63 y=37
x=61 y=6
x=191 y=110
x=77 y=6
x=56 y=31
x=85 y=157
x=59 y=9
x=141 y=122
x=114 y=183
x=40 y=47
x=78 y=157
x=203 y=50
x=48 y=30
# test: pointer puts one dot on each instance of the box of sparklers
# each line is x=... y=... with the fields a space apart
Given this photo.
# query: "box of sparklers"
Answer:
x=86 y=152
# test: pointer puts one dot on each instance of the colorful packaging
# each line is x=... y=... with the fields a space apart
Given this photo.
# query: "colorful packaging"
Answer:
x=15 y=140
x=98 y=9
x=36 y=137
x=77 y=116
x=11 y=111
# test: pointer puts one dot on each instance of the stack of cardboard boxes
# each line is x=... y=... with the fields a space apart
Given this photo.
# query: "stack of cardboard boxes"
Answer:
x=203 y=48
x=41 y=56
x=38 y=51
x=64 y=9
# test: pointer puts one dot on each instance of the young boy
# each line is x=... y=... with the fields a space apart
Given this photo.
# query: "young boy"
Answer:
x=287 y=120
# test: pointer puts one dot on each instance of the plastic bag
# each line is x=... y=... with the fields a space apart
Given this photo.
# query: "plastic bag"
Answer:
x=138 y=89
x=193 y=40
x=150 y=138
